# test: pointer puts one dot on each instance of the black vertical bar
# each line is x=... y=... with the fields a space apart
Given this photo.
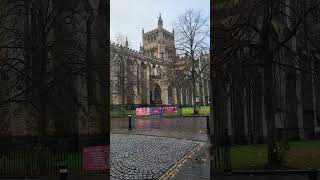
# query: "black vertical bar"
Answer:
x=214 y=156
x=46 y=160
x=18 y=160
x=5 y=162
x=50 y=162
x=9 y=163
x=13 y=159
x=21 y=164
x=208 y=125
x=54 y=163
x=28 y=153
x=3 y=158
x=218 y=156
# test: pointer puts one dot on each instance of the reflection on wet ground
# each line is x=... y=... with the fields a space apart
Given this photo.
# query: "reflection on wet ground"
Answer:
x=178 y=124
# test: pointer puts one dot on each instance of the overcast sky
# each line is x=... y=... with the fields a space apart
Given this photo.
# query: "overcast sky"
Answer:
x=128 y=17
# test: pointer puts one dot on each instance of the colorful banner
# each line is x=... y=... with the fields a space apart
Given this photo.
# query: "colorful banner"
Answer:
x=170 y=109
x=96 y=157
x=142 y=111
x=155 y=110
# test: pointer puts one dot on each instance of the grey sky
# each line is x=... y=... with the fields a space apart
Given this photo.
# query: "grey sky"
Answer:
x=128 y=17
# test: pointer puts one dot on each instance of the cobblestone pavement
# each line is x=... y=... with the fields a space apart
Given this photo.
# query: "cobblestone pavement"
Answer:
x=145 y=157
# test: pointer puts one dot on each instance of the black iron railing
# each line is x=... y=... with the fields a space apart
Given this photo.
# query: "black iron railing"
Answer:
x=311 y=174
x=221 y=153
x=28 y=157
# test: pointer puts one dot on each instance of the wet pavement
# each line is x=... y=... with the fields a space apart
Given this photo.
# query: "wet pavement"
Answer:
x=195 y=125
x=190 y=128
x=197 y=166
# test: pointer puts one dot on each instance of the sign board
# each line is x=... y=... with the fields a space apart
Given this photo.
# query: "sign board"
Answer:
x=170 y=109
x=96 y=157
x=156 y=110
x=142 y=111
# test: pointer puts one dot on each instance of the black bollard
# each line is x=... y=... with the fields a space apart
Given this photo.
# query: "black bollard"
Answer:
x=130 y=123
x=63 y=171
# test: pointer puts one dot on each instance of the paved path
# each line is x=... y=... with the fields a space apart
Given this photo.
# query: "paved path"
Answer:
x=146 y=157
x=197 y=167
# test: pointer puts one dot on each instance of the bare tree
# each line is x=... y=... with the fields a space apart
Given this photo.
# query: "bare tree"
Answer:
x=192 y=31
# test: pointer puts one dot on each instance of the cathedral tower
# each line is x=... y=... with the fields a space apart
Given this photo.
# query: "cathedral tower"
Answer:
x=159 y=42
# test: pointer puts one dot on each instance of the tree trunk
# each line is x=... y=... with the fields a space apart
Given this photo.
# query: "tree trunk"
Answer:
x=194 y=89
x=39 y=62
x=104 y=68
x=267 y=60
x=268 y=100
x=90 y=79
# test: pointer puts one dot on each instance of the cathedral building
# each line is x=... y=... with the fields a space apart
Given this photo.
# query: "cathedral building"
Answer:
x=146 y=77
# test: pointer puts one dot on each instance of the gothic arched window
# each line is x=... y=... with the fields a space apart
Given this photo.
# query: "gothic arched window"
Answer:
x=153 y=72
x=170 y=94
x=158 y=71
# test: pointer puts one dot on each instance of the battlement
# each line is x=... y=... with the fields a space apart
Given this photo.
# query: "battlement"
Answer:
x=135 y=53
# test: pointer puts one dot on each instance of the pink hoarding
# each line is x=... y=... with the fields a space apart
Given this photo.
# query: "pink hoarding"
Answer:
x=170 y=109
x=155 y=110
x=96 y=157
x=142 y=111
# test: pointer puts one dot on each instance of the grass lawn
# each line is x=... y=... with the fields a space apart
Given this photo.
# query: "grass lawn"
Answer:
x=301 y=155
x=204 y=110
x=122 y=113
x=186 y=111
